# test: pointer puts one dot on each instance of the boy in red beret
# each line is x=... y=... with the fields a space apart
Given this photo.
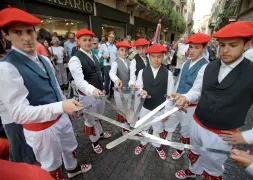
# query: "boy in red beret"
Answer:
x=224 y=95
x=33 y=98
x=157 y=81
x=190 y=69
x=140 y=60
x=85 y=69
x=120 y=75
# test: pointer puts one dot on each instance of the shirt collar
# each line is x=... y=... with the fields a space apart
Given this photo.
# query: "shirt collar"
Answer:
x=88 y=54
x=194 y=62
x=25 y=54
x=153 y=69
x=234 y=64
x=122 y=59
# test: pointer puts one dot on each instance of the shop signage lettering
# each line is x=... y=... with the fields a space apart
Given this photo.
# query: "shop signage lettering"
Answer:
x=80 y=5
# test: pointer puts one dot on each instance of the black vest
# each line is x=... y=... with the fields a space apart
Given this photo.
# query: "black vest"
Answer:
x=139 y=64
x=157 y=87
x=224 y=105
x=91 y=71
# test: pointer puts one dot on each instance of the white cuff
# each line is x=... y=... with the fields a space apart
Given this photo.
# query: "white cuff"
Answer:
x=249 y=169
x=58 y=109
x=248 y=136
x=90 y=89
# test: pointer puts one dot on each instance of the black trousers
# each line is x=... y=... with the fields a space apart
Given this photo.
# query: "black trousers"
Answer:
x=108 y=84
x=20 y=151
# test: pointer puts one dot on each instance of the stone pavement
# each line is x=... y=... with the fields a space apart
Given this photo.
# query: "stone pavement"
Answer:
x=120 y=163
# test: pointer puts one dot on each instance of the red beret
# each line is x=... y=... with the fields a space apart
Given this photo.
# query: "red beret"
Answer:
x=141 y=42
x=198 y=38
x=242 y=29
x=123 y=44
x=10 y=15
x=156 y=48
x=83 y=32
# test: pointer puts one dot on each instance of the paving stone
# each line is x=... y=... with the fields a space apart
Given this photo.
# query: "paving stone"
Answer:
x=120 y=163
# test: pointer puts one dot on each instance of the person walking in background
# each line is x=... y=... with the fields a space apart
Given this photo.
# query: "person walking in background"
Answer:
x=69 y=44
x=95 y=50
x=60 y=72
x=108 y=52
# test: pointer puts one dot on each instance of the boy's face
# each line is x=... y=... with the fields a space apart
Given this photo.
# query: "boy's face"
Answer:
x=141 y=50
x=122 y=52
x=22 y=36
x=232 y=49
x=156 y=59
x=196 y=51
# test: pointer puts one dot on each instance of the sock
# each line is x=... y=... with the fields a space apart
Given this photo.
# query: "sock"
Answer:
x=95 y=143
x=159 y=148
x=102 y=135
x=188 y=172
x=142 y=146
x=179 y=151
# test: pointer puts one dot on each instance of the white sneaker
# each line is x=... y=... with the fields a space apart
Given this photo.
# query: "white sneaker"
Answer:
x=84 y=169
x=184 y=174
x=162 y=154
x=138 y=150
x=97 y=149
x=176 y=155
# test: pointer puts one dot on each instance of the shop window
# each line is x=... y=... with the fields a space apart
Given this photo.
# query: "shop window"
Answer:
x=119 y=31
x=60 y=26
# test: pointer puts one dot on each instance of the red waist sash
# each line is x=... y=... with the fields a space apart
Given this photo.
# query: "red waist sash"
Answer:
x=216 y=131
x=40 y=126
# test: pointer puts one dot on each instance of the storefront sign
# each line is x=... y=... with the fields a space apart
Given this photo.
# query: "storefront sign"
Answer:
x=79 y=5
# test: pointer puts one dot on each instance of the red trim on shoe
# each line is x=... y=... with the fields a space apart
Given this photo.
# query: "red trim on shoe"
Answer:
x=106 y=135
x=161 y=153
x=183 y=174
x=138 y=149
x=97 y=149
x=176 y=155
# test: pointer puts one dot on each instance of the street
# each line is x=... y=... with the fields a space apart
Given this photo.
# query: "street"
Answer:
x=120 y=163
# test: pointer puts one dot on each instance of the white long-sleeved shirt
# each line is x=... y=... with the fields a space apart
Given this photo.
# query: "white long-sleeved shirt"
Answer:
x=108 y=49
x=133 y=70
x=249 y=169
x=248 y=136
x=114 y=68
x=170 y=85
x=13 y=95
x=249 y=54
x=194 y=94
x=75 y=68
x=191 y=64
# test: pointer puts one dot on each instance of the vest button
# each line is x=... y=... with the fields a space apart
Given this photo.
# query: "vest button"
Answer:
x=216 y=96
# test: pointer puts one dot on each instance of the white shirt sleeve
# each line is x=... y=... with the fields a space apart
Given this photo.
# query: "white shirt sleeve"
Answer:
x=248 y=136
x=194 y=93
x=113 y=72
x=132 y=67
x=13 y=94
x=58 y=87
x=75 y=68
x=139 y=82
x=249 y=169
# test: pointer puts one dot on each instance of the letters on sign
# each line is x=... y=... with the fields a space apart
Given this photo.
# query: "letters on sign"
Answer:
x=80 y=5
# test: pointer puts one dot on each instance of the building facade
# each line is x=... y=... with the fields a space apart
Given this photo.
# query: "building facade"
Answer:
x=246 y=11
x=124 y=17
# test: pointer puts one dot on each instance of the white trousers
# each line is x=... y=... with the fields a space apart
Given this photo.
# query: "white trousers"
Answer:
x=54 y=144
x=98 y=106
x=119 y=104
x=61 y=74
x=158 y=127
x=212 y=163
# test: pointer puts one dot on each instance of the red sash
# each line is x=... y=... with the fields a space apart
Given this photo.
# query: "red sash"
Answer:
x=216 y=131
x=40 y=126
